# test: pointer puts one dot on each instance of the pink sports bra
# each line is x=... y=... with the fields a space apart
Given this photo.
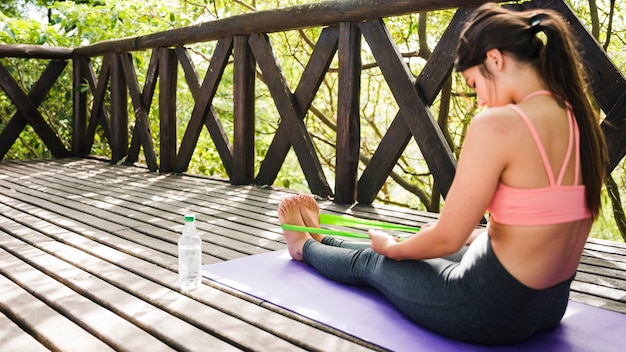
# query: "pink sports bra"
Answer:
x=554 y=204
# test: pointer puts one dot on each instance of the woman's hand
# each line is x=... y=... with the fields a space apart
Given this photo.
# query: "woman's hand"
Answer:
x=382 y=242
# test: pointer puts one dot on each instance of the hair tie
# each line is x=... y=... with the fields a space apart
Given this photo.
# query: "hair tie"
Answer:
x=535 y=23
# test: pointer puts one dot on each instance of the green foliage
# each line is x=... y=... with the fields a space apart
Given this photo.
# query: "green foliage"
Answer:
x=605 y=227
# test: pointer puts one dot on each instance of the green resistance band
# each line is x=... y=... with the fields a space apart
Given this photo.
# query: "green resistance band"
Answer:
x=349 y=221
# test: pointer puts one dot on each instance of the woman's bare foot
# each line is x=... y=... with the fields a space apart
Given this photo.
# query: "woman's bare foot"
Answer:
x=289 y=213
x=310 y=212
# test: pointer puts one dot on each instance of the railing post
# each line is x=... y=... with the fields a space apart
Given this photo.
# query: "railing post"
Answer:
x=119 y=111
x=348 y=114
x=243 y=114
x=79 y=106
x=168 y=76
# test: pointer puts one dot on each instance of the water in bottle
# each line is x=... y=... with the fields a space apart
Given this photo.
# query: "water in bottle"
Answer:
x=189 y=256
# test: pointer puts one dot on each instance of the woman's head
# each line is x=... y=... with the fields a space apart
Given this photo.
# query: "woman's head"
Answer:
x=517 y=34
x=492 y=27
x=497 y=78
x=555 y=57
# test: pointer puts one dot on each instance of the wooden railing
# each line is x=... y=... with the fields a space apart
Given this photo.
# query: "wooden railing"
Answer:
x=244 y=40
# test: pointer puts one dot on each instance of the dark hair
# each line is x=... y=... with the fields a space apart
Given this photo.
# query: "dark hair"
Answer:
x=558 y=63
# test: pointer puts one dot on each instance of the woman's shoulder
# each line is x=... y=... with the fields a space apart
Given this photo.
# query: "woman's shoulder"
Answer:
x=497 y=121
x=498 y=112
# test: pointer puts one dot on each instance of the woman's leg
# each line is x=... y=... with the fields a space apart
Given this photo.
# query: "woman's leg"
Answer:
x=428 y=292
x=405 y=283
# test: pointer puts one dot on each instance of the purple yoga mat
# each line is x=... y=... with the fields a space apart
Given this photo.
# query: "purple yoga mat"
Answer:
x=367 y=315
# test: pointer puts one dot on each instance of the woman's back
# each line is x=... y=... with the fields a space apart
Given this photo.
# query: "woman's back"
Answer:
x=543 y=253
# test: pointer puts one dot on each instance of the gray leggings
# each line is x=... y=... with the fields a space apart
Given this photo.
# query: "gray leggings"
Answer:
x=467 y=296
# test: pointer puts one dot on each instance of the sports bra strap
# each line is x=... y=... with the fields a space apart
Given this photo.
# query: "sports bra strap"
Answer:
x=568 y=154
x=574 y=141
x=533 y=132
x=539 y=92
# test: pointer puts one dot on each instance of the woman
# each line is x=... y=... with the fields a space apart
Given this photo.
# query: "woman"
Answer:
x=535 y=159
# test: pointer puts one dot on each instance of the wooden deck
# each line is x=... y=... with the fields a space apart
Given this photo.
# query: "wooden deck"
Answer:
x=88 y=253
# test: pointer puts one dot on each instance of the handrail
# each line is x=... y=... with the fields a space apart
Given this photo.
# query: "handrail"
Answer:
x=323 y=13
x=24 y=51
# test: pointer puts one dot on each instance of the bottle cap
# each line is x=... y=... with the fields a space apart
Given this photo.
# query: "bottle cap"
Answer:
x=190 y=218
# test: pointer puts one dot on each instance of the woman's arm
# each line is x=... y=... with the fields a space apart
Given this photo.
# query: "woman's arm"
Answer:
x=482 y=161
x=473 y=236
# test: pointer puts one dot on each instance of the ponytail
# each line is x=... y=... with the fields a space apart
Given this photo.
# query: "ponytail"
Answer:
x=564 y=74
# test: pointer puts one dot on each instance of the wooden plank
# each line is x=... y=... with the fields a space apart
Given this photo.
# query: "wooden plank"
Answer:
x=97 y=220
x=225 y=230
x=168 y=77
x=315 y=14
x=221 y=240
x=79 y=107
x=291 y=115
x=103 y=325
x=12 y=336
x=151 y=80
x=243 y=112
x=596 y=301
x=588 y=267
x=35 y=51
x=47 y=325
x=119 y=111
x=606 y=254
x=310 y=81
x=348 y=144
x=607 y=293
x=257 y=200
x=609 y=244
x=611 y=283
x=113 y=275
x=219 y=203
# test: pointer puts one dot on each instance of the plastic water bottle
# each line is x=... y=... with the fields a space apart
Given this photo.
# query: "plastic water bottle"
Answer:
x=189 y=256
